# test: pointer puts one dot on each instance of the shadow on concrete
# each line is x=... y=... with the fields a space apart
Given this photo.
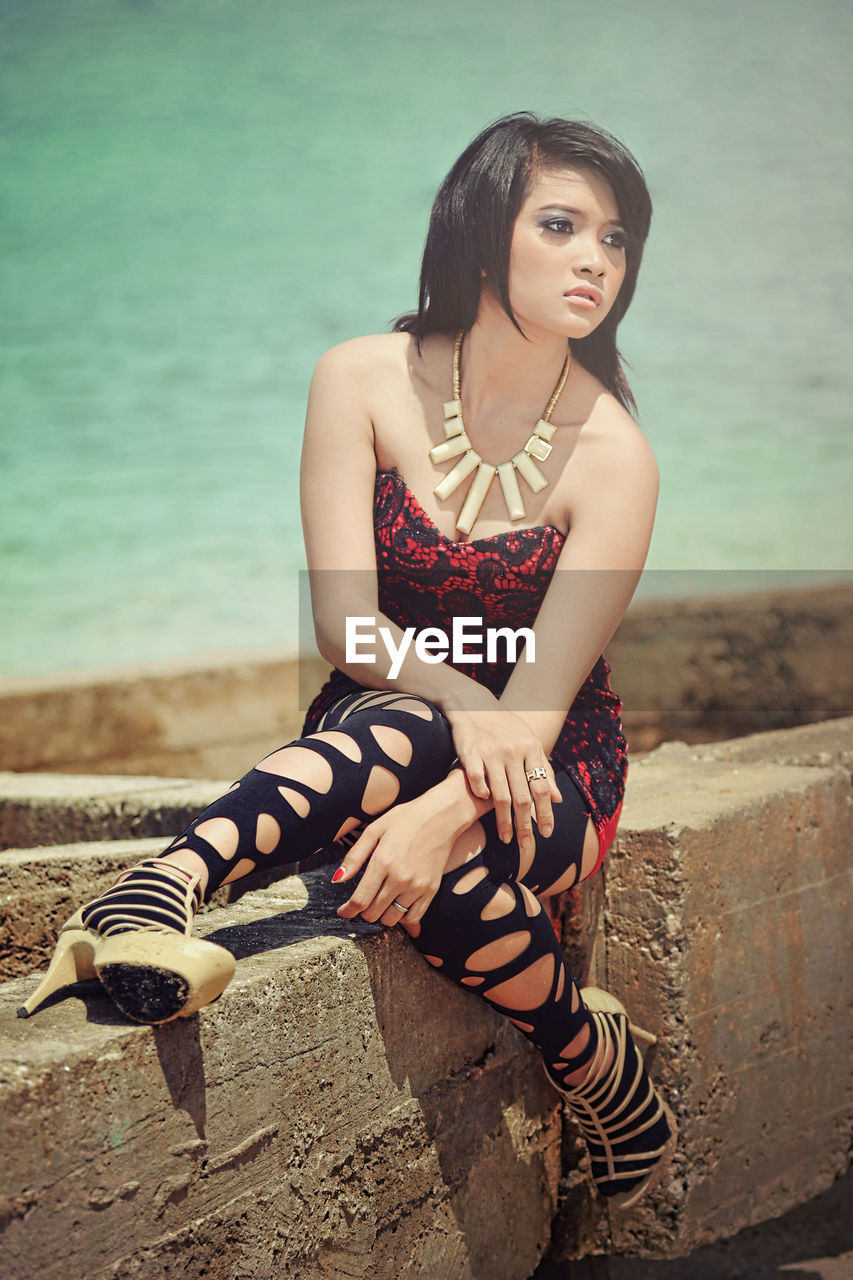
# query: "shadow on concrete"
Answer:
x=182 y=1063
x=811 y=1242
x=315 y=918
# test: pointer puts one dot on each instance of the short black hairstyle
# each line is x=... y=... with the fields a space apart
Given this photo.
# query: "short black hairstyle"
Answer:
x=474 y=213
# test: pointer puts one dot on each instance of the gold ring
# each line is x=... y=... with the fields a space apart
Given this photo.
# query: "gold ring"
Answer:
x=530 y=774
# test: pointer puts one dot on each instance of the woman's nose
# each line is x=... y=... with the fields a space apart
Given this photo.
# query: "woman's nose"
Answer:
x=594 y=267
x=594 y=258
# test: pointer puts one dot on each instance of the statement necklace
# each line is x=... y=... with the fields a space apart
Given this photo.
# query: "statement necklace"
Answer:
x=456 y=442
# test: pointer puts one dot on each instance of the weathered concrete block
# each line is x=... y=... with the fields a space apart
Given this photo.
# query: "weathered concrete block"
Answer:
x=206 y=716
x=718 y=666
x=727 y=932
x=827 y=743
x=60 y=808
x=40 y=888
x=341 y=1111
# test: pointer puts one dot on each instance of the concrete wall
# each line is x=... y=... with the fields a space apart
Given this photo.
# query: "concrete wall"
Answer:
x=210 y=717
x=697 y=669
x=727 y=916
x=343 y=1111
x=713 y=667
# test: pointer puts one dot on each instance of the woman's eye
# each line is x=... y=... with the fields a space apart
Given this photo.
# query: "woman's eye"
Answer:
x=616 y=239
x=562 y=226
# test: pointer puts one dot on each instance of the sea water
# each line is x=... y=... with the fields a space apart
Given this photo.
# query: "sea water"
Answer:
x=198 y=199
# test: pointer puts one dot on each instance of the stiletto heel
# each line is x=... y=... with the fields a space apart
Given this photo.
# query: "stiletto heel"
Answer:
x=601 y=1001
x=137 y=939
x=71 y=962
x=630 y=1132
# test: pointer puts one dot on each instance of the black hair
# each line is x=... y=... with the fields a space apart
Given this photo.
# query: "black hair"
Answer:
x=474 y=213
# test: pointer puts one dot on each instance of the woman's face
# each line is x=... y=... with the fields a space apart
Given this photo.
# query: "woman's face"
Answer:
x=567 y=258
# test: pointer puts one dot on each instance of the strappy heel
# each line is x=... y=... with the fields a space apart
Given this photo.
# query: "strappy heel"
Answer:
x=629 y=1130
x=136 y=938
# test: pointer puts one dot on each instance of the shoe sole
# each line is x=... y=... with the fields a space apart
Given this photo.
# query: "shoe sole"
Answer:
x=154 y=977
x=145 y=993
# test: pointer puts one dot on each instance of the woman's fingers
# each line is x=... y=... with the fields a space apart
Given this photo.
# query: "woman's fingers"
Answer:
x=356 y=856
x=411 y=921
x=540 y=793
x=377 y=899
x=374 y=895
x=522 y=808
x=501 y=792
x=368 y=887
x=543 y=791
x=393 y=915
x=475 y=772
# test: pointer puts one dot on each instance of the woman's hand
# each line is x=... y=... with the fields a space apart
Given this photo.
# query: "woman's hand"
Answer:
x=497 y=749
x=406 y=850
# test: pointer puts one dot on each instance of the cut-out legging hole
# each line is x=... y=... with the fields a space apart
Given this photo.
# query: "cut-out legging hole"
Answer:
x=485 y=929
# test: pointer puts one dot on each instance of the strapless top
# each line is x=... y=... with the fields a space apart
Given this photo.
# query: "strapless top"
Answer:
x=426 y=579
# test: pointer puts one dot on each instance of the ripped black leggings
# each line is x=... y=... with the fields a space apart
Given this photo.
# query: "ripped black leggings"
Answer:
x=485 y=929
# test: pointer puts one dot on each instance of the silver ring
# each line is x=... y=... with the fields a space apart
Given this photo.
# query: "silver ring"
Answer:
x=399 y=906
x=530 y=774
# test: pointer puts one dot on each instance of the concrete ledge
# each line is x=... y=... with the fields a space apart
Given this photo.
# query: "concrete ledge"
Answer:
x=341 y=1111
x=212 y=716
x=46 y=809
x=722 y=666
x=41 y=887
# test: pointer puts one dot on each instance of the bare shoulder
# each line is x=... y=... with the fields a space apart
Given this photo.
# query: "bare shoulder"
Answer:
x=612 y=477
x=611 y=439
x=360 y=361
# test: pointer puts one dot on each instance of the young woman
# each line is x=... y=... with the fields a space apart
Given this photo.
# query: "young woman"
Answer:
x=477 y=468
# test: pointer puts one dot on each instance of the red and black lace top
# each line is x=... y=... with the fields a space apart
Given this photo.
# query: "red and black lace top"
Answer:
x=427 y=579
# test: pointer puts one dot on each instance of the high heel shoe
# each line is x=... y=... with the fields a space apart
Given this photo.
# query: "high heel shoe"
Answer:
x=629 y=1130
x=136 y=938
x=600 y=1001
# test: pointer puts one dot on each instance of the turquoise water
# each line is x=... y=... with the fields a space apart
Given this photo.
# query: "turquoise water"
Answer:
x=198 y=199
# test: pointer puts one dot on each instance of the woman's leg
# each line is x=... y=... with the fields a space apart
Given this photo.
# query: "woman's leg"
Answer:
x=372 y=750
x=486 y=930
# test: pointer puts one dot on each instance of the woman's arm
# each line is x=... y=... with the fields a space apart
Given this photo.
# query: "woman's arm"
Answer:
x=338 y=476
x=597 y=572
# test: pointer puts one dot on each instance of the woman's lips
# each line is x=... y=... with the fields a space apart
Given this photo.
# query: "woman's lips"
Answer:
x=587 y=296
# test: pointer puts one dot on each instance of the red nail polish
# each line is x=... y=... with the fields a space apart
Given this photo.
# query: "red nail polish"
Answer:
x=339 y=875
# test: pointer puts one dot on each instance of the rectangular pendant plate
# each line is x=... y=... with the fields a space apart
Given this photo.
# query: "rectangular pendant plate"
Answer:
x=530 y=471
x=454 y=478
x=512 y=493
x=449 y=448
x=539 y=449
x=475 y=497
